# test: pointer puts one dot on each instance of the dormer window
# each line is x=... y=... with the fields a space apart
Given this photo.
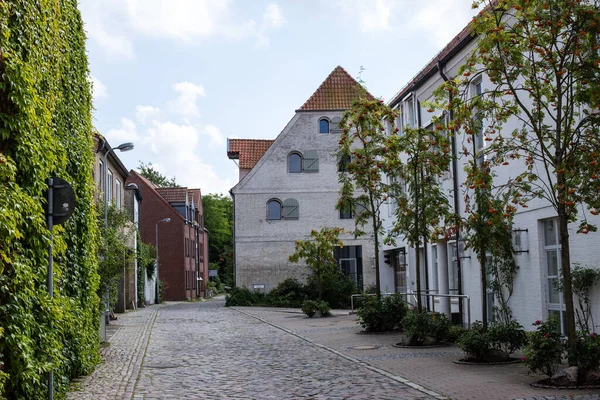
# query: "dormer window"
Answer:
x=323 y=125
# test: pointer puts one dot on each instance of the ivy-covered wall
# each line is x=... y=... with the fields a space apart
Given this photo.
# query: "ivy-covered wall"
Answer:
x=45 y=130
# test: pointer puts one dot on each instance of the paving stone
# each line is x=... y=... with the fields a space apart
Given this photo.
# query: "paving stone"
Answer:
x=206 y=351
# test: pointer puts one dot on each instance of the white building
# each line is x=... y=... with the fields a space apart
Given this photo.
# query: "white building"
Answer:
x=289 y=187
x=446 y=270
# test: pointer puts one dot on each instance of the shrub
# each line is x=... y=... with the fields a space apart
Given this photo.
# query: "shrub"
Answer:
x=417 y=326
x=289 y=293
x=586 y=352
x=454 y=333
x=440 y=327
x=545 y=349
x=310 y=308
x=508 y=337
x=475 y=342
x=337 y=289
x=380 y=315
x=244 y=297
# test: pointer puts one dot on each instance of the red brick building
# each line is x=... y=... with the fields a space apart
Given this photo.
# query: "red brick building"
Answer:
x=182 y=242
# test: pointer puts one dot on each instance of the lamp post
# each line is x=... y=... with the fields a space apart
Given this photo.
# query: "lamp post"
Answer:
x=165 y=220
x=122 y=147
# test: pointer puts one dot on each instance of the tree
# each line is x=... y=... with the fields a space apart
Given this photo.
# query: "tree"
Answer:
x=218 y=219
x=363 y=144
x=148 y=172
x=416 y=160
x=542 y=59
x=317 y=252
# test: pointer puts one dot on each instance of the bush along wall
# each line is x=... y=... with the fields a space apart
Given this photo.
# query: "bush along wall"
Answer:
x=45 y=130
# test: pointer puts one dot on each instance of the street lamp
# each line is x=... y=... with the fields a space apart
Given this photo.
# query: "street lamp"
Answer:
x=122 y=147
x=165 y=220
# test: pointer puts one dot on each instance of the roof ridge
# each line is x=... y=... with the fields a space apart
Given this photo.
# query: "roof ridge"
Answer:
x=336 y=92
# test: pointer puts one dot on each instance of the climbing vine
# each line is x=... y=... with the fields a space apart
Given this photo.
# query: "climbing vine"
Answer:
x=45 y=130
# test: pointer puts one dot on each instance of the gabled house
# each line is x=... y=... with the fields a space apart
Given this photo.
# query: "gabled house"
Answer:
x=289 y=187
x=446 y=267
x=112 y=177
x=182 y=240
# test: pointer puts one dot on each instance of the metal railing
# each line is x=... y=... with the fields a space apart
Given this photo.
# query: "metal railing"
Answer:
x=414 y=296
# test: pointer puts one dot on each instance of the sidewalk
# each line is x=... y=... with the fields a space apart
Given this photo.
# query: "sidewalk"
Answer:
x=431 y=369
x=122 y=358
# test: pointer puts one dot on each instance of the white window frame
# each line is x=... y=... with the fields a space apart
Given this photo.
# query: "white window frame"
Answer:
x=118 y=189
x=109 y=186
x=557 y=308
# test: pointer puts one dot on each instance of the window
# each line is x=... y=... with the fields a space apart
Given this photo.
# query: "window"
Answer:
x=193 y=249
x=294 y=163
x=453 y=273
x=434 y=269
x=343 y=162
x=408 y=109
x=101 y=174
x=323 y=125
x=291 y=209
x=109 y=186
x=552 y=252
x=187 y=247
x=345 y=214
x=118 y=193
x=273 y=209
x=350 y=261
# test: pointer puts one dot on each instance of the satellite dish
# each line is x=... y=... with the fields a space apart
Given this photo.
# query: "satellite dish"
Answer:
x=63 y=200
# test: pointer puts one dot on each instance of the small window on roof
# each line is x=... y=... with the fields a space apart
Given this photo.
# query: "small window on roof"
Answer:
x=273 y=209
x=323 y=125
x=294 y=163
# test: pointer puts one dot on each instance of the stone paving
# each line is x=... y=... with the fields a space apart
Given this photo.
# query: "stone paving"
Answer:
x=206 y=351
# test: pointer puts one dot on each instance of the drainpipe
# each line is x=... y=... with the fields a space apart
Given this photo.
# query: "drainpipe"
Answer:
x=425 y=263
x=440 y=67
x=234 y=258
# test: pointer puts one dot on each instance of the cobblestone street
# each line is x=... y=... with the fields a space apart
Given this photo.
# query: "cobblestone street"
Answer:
x=206 y=351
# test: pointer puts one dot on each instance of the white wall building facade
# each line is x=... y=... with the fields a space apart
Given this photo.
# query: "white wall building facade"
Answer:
x=293 y=189
x=538 y=250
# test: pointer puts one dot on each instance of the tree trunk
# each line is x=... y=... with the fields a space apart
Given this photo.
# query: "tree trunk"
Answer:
x=376 y=243
x=565 y=260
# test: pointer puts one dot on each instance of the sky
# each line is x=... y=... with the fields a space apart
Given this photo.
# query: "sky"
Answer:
x=179 y=77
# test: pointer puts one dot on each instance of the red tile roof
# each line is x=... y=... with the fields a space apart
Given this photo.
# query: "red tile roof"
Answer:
x=196 y=195
x=337 y=92
x=173 y=194
x=248 y=151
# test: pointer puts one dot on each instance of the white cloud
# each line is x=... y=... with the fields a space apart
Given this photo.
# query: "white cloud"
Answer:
x=175 y=147
x=98 y=88
x=441 y=20
x=215 y=134
x=372 y=16
x=105 y=24
x=114 y=24
x=126 y=133
x=143 y=114
x=272 y=16
x=186 y=103
x=437 y=21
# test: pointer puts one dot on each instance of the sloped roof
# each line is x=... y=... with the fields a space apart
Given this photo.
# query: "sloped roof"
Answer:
x=337 y=92
x=173 y=194
x=196 y=195
x=248 y=151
